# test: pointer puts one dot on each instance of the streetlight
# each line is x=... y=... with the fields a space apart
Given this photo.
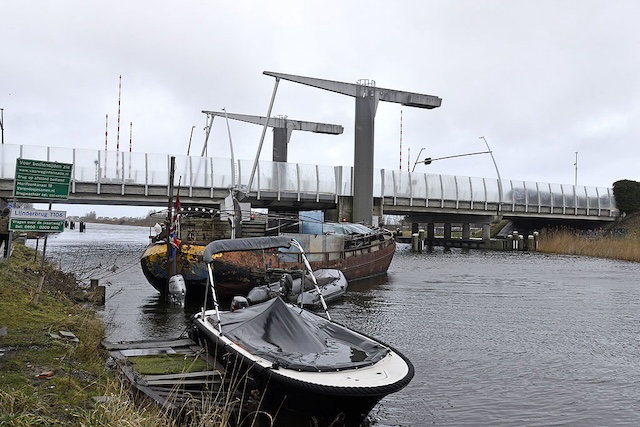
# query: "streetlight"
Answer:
x=428 y=160
x=418 y=160
x=497 y=171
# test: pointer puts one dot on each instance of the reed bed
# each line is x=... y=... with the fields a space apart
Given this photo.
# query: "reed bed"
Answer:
x=569 y=242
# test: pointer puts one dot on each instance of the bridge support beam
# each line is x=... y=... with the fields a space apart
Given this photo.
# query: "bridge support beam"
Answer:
x=486 y=232
x=366 y=106
x=281 y=137
x=466 y=230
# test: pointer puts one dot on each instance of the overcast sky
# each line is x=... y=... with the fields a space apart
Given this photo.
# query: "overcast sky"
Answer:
x=540 y=80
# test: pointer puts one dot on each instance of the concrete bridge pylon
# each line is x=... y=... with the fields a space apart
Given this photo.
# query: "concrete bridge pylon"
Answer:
x=367 y=96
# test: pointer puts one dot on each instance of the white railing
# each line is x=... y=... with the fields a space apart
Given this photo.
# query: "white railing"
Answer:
x=274 y=179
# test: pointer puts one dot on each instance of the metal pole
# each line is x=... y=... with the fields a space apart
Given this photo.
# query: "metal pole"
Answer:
x=264 y=132
x=417 y=159
x=233 y=159
x=171 y=262
x=497 y=171
x=190 y=138
x=44 y=246
x=576 y=165
x=2 y=123
x=207 y=131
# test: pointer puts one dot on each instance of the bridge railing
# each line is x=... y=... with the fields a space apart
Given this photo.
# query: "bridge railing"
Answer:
x=277 y=179
x=431 y=190
x=291 y=178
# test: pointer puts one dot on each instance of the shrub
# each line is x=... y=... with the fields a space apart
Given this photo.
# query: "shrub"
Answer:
x=627 y=195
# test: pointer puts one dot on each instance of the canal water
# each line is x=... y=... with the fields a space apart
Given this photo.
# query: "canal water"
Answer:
x=496 y=338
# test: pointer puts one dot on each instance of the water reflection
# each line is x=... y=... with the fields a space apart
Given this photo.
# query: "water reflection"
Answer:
x=159 y=318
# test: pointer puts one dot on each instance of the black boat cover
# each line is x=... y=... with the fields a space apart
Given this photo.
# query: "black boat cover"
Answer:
x=248 y=244
x=298 y=339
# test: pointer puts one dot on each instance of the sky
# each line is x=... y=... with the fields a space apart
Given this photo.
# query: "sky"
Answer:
x=540 y=80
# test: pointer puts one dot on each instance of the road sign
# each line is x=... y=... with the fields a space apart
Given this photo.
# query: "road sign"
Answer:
x=36 y=179
x=36 y=220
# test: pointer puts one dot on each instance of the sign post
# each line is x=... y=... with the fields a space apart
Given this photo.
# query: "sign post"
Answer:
x=37 y=221
x=38 y=179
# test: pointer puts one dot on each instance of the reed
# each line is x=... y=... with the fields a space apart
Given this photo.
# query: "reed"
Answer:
x=569 y=242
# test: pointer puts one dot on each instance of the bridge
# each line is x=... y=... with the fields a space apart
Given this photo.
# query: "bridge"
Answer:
x=101 y=177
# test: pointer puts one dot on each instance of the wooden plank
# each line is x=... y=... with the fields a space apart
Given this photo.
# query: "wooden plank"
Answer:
x=184 y=342
x=147 y=351
x=176 y=383
x=181 y=376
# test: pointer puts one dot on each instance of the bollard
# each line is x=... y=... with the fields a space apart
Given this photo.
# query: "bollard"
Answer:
x=509 y=242
x=97 y=293
x=417 y=245
x=516 y=241
x=530 y=243
x=521 y=242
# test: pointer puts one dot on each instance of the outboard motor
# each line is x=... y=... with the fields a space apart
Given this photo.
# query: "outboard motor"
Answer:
x=177 y=290
x=287 y=283
x=238 y=303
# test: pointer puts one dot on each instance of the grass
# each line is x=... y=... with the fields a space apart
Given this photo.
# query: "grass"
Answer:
x=167 y=364
x=29 y=350
x=48 y=381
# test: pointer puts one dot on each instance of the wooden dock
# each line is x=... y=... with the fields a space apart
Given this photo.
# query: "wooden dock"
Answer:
x=178 y=375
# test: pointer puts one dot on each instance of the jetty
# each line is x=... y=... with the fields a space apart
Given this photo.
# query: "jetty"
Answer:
x=183 y=379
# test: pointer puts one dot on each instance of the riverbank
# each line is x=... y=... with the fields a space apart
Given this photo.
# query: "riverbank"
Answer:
x=619 y=241
x=52 y=365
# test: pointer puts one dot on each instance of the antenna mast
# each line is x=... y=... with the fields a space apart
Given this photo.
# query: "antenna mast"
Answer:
x=106 y=133
x=118 y=131
x=130 y=143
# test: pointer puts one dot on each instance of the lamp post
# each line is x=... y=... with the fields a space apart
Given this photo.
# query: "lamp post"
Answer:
x=2 y=123
x=428 y=160
x=497 y=172
x=417 y=159
x=576 y=165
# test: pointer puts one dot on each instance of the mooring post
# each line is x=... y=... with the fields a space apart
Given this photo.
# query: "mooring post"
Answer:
x=98 y=293
x=171 y=266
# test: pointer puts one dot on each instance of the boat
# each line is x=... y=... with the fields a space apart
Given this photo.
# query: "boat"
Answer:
x=297 y=361
x=303 y=290
x=358 y=251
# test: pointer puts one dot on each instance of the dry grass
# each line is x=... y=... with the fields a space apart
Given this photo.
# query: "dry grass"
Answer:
x=567 y=242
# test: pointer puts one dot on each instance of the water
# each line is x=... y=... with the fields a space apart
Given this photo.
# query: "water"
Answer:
x=497 y=339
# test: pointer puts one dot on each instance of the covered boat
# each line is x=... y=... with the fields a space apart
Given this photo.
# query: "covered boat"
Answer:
x=299 y=361
x=357 y=250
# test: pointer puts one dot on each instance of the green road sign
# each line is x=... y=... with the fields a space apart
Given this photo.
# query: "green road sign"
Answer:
x=37 y=220
x=37 y=225
x=36 y=179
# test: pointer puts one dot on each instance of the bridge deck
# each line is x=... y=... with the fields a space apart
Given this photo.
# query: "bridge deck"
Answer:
x=118 y=178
